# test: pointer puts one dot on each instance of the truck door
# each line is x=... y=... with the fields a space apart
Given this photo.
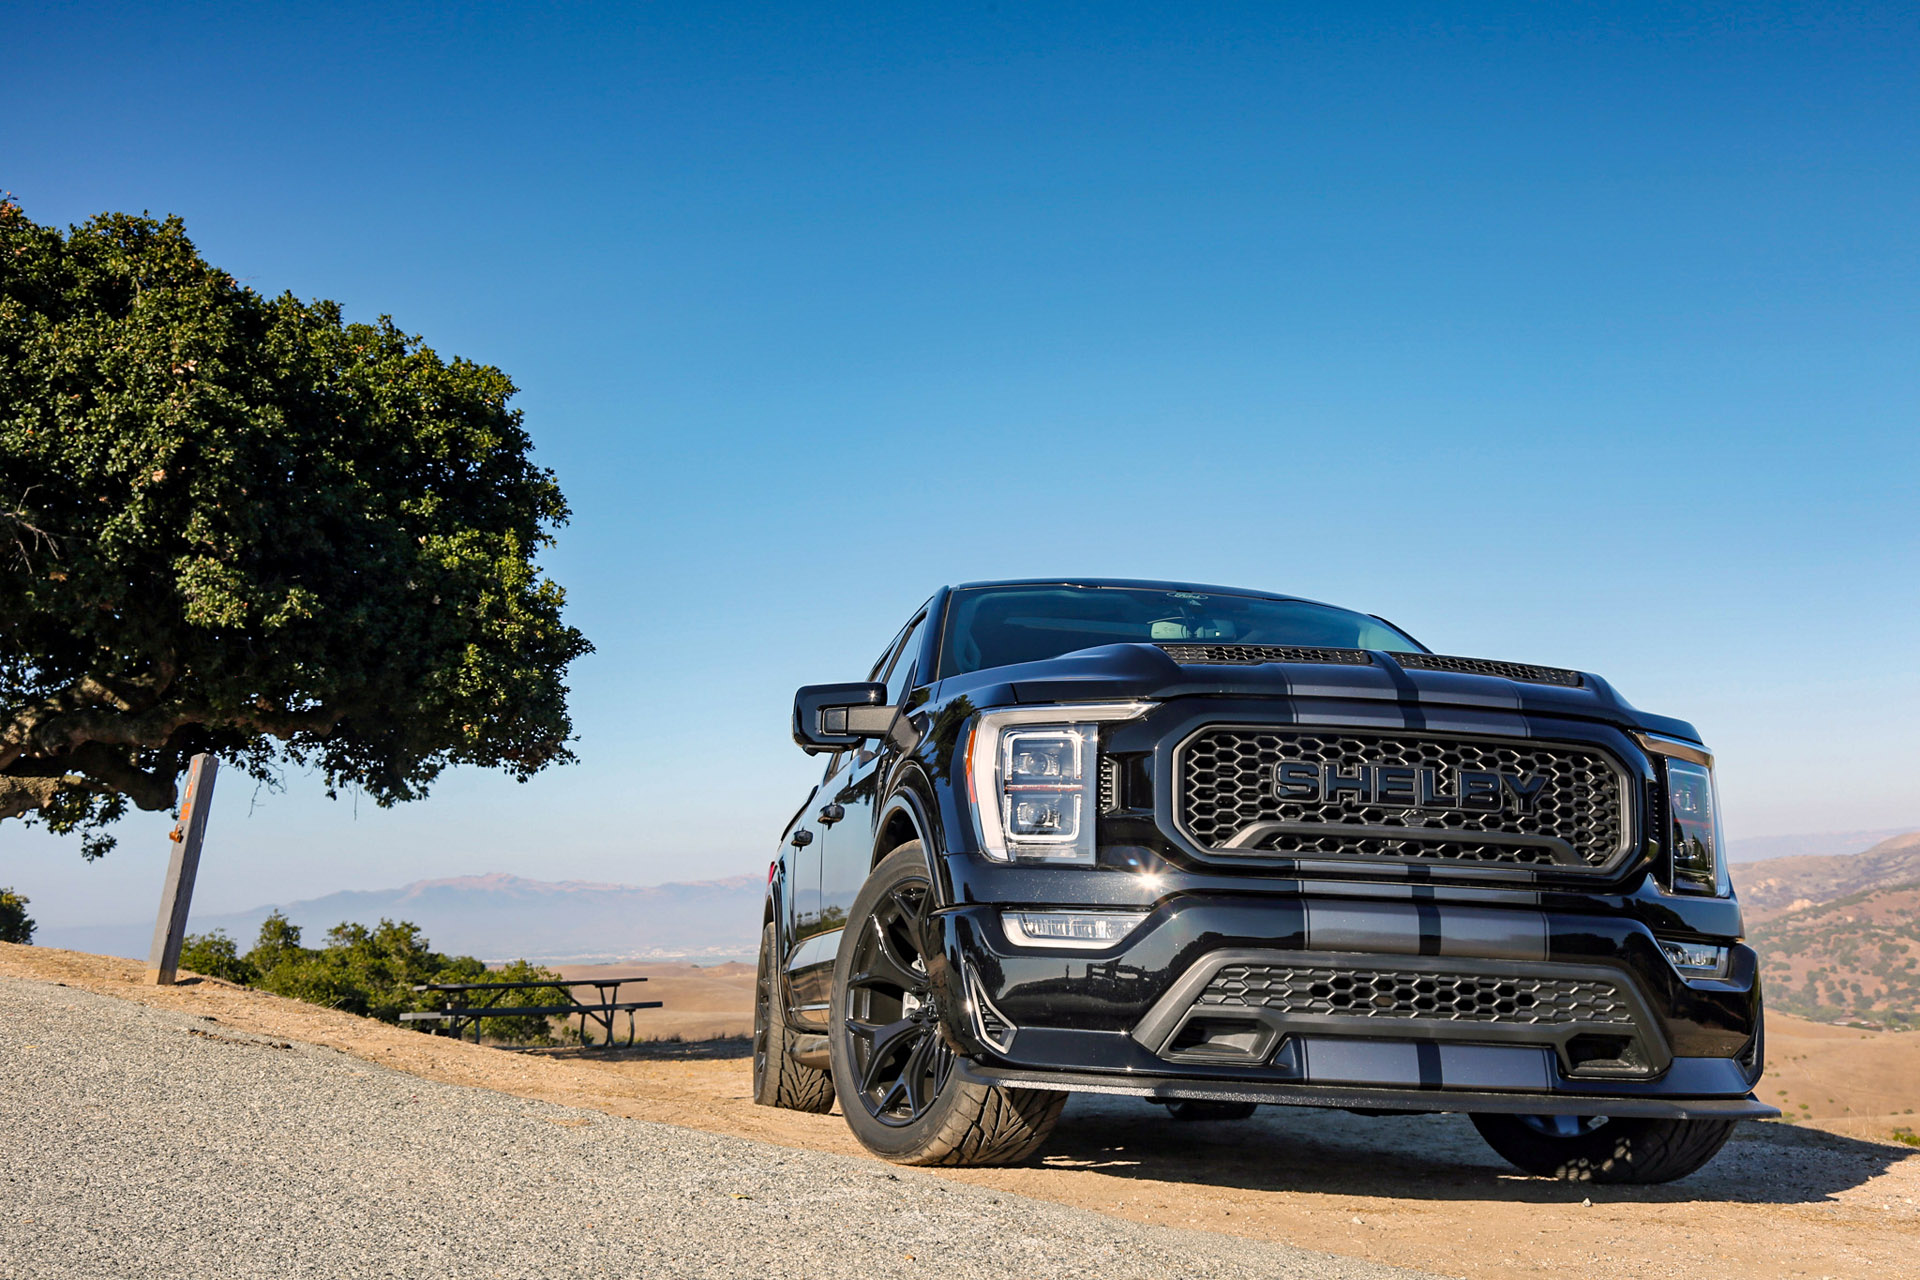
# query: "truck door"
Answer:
x=814 y=934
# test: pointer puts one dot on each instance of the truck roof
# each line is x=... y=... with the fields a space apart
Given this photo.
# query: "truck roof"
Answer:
x=1148 y=584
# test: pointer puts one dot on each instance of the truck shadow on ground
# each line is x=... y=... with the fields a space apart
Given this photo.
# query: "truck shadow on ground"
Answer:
x=1436 y=1157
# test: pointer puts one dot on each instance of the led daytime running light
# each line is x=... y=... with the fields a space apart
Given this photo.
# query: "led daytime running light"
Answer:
x=1079 y=930
x=1697 y=959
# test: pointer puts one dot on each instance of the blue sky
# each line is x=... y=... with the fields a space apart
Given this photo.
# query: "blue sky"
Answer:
x=1579 y=334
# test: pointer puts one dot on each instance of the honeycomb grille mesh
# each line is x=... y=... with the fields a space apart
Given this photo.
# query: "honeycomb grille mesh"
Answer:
x=1395 y=993
x=1488 y=667
x=1250 y=654
x=1226 y=783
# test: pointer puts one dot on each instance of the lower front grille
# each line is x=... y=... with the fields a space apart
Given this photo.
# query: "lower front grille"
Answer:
x=1389 y=993
x=1283 y=1009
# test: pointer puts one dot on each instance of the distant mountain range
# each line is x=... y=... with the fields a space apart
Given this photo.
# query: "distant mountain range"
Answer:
x=503 y=917
x=1811 y=844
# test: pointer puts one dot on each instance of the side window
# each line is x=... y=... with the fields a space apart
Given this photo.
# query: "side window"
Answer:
x=884 y=663
x=905 y=654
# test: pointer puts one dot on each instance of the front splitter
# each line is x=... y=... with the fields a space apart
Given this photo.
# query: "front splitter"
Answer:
x=1171 y=1089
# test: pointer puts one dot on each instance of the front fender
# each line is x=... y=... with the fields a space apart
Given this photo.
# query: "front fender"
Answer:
x=912 y=804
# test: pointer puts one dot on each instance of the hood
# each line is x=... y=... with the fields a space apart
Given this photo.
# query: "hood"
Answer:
x=1197 y=669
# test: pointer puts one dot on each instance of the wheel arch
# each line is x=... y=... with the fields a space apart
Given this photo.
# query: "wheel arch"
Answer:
x=903 y=819
x=770 y=911
x=907 y=817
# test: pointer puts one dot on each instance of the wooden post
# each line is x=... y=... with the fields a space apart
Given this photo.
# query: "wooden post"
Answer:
x=170 y=930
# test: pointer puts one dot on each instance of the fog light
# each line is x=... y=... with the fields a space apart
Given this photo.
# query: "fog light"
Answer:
x=1697 y=959
x=1089 y=930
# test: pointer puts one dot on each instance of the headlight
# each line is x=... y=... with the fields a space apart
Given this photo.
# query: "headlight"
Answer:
x=1699 y=856
x=1032 y=776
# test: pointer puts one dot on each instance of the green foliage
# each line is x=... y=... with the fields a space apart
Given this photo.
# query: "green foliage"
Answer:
x=537 y=1030
x=237 y=524
x=279 y=941
x=215 y=955
x=15 y=924
x=371 y=972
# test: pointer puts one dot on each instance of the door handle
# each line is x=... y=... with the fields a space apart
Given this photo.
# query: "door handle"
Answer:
x=830 y=814
x=802 y=838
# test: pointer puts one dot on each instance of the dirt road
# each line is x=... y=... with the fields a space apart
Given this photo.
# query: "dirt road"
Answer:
x=1422 y=1192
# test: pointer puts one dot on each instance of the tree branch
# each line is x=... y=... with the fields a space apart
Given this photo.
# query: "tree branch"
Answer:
x=150 y=791
x=58 y=726
x=27 y=536
x=24 y=795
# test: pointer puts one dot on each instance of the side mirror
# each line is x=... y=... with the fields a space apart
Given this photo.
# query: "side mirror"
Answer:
x=827 y=717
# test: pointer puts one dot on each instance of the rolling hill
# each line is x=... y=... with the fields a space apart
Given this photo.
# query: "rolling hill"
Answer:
x=1855 y=959
x=1839 y=936
x=1772 y=888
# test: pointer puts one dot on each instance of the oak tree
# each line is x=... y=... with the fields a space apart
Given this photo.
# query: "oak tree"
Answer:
x=238 y=524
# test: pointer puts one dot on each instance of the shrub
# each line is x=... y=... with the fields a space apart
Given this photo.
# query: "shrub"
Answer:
x=15 y=924
x=215 y=955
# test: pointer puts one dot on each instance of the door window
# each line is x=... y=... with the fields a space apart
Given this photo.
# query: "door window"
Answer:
x=903 y=661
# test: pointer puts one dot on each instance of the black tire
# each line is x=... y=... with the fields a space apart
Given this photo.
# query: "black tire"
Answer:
x=1598 y=1149
x=779 y=1081
x=1193 y=1109
x=893 y=1066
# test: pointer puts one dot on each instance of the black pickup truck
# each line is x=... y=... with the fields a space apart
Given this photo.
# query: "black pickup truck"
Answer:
x=1216 y=848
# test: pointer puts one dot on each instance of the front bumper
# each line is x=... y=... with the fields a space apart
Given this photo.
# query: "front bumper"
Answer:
x=1389 y=1005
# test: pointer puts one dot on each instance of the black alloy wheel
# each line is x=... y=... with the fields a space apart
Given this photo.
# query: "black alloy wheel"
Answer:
x=900 y=1061
x=762 y=1000
x=900 y=1085
x=1562 y=1127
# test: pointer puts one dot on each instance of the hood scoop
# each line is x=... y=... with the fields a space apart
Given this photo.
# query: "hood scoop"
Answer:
x=1249 y=655
x=1488 y=667
x=1246 y=655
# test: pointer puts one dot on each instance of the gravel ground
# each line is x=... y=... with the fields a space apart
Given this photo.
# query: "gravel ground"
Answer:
x=141 y=1142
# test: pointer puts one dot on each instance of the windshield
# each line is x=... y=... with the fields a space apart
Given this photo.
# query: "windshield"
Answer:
x=998 y=626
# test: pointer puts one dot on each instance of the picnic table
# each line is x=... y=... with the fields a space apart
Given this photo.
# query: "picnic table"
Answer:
x=463 y=1009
